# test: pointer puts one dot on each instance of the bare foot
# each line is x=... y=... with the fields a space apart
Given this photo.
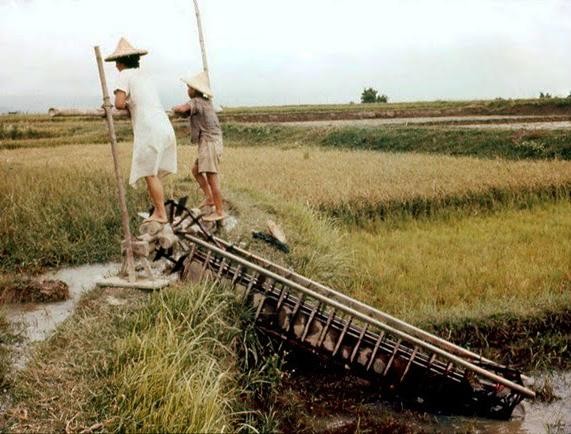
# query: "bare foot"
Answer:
x=214 y=217
x=205 y=202
x=156 y=218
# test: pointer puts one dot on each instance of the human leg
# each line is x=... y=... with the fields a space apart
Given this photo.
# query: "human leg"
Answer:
x=156 y=192
x=203 y=183
x=214 y=184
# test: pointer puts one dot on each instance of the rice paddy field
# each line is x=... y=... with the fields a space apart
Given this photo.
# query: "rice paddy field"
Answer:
x=449 y=229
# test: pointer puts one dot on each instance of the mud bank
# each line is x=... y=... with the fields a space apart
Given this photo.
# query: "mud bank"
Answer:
x=541 y=341
x=364 y=112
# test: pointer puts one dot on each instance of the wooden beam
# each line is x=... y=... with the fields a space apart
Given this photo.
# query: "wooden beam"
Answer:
x=107 y=106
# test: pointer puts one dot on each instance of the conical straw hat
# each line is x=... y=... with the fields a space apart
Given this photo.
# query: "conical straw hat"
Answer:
x=201 y=83
x=124 y=49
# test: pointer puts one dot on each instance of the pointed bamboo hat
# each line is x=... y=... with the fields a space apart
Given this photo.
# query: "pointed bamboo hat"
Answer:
x=125 y=49
x=201 y=83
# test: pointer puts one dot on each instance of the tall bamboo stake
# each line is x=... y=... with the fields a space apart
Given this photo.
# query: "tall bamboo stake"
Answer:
x=201 y=38
x=107 y=106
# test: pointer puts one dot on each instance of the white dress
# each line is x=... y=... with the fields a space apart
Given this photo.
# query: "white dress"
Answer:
x=154 y=146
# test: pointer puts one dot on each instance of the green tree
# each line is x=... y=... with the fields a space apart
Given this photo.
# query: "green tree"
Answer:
x=371 y=95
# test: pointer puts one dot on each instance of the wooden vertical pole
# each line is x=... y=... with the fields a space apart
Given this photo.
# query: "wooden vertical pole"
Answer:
x=201 y=38
x=107 y=106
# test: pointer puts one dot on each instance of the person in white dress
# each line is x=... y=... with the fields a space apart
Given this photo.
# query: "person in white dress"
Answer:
x=154 y=144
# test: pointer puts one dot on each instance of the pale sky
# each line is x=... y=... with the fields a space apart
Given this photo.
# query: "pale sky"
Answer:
x=273 y=52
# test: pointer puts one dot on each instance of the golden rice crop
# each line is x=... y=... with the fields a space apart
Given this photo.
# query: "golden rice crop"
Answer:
x=369 y=180
x=333 y=178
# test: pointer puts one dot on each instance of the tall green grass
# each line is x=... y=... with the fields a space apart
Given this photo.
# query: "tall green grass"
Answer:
x=173 y=372
x=158 y=363
x=65 y=216
x=514 y=262
x=484 y=143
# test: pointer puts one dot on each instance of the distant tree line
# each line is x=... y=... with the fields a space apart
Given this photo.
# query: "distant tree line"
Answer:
x=547 y=95
x=371 y=95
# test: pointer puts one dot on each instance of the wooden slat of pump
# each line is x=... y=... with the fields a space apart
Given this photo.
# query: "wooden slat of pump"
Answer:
x=372 y=312
x=363 y=316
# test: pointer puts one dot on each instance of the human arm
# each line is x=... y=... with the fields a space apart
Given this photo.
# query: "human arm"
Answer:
x=183 y=109
x=122 y=91
x=121 y=100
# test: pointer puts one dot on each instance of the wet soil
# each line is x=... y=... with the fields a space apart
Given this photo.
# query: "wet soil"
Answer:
x=34 y=291
x=329 y=400
x=535 y=342
x=324 y=399
x=318 y=397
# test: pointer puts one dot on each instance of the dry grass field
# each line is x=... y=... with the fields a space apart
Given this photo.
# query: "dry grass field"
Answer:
x=367 y=181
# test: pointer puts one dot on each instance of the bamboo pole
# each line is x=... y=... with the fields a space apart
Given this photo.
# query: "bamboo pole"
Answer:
x=201 y=38
x=107 y=106
x=72 y=112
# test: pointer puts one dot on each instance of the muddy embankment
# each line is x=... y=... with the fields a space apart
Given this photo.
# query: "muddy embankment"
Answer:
x=541 y=341
x=543 y=113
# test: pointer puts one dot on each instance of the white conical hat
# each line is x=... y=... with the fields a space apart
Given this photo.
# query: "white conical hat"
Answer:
x=124 y=49
x=201 y=83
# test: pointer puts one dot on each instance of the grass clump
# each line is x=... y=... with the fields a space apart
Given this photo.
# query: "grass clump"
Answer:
x=171 y=372
x=7 y=338
x=163 y=363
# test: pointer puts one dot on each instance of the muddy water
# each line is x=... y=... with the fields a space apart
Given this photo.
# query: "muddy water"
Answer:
x=336 y=402
x=528 y=417
x=36 y=322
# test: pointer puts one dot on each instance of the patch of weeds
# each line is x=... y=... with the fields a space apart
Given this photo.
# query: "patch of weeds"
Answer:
x=261 y=373
x=545 y=391
x=7 y=338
